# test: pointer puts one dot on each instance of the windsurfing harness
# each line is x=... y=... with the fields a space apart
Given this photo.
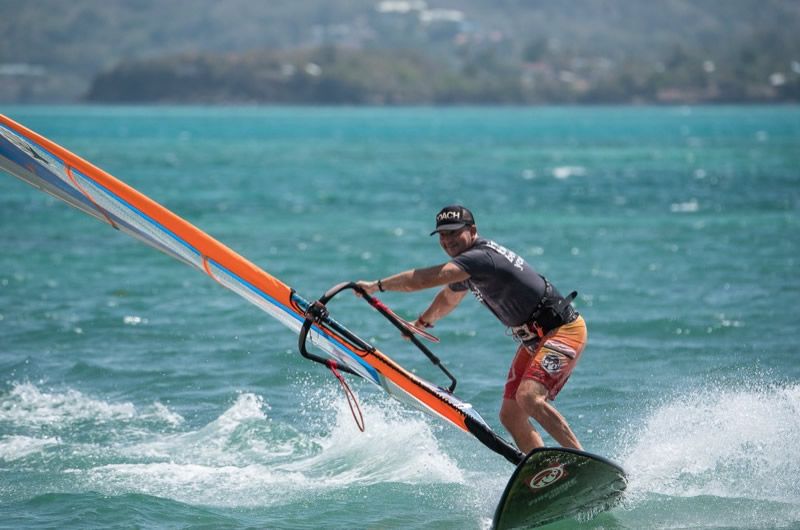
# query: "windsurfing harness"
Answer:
x=552 y=312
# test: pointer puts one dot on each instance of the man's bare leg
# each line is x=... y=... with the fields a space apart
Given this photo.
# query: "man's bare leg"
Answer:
x=532 y=399
x=516 y=422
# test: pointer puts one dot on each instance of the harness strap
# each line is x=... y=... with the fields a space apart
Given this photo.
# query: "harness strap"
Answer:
x=548 y=291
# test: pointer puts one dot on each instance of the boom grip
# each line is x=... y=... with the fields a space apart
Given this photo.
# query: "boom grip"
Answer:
x=317 y=312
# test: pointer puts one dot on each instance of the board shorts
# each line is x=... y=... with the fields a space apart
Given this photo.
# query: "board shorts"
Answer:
x=551 y=363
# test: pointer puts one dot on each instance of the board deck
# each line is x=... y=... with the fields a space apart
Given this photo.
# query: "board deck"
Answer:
x=556 y=483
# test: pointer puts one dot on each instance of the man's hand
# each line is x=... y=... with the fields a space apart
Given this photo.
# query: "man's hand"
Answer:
x=368 y=287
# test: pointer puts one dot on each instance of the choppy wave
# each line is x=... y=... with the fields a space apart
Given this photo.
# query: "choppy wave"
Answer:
x=28 y=406
x=17 y=447
x=243 y=458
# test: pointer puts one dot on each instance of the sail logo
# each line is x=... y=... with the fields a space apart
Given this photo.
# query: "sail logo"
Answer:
x=547 y=477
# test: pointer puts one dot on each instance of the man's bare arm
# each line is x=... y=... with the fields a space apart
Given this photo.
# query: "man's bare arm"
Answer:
x=417 y=279
x=445 y=301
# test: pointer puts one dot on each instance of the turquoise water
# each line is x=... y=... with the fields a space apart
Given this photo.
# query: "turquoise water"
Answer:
x=138 y=393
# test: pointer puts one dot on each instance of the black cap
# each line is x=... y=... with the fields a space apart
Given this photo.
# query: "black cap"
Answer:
x=452 y=218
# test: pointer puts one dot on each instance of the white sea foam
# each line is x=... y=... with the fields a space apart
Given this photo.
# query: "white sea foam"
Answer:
x=26 y=405
x=134 y=320
x=690 y=206
x=243 y=458
x=397 y=446
x=207 y=485
x=232 y=439
x=565 y=172
x=724 y=442
x=163 y=413
x=18 y=447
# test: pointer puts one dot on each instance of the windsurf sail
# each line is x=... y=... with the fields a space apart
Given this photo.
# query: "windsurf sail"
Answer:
x=55 y=170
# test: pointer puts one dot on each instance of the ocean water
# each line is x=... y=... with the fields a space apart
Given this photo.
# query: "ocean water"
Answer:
x=135 y=392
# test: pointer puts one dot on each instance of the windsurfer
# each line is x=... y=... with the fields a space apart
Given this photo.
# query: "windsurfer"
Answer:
x=552 y=334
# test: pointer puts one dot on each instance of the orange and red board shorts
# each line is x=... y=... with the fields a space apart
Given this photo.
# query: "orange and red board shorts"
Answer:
x=551 y=363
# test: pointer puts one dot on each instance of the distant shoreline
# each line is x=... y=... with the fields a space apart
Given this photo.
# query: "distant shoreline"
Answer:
x=375 y=78
x=342 y=77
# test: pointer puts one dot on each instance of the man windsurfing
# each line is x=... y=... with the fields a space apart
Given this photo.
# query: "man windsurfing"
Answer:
x=551 y=333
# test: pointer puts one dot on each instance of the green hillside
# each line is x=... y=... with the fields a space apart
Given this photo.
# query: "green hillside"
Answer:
x=398 y=52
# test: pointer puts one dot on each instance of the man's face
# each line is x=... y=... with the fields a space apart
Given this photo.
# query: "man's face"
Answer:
x=454 y=242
